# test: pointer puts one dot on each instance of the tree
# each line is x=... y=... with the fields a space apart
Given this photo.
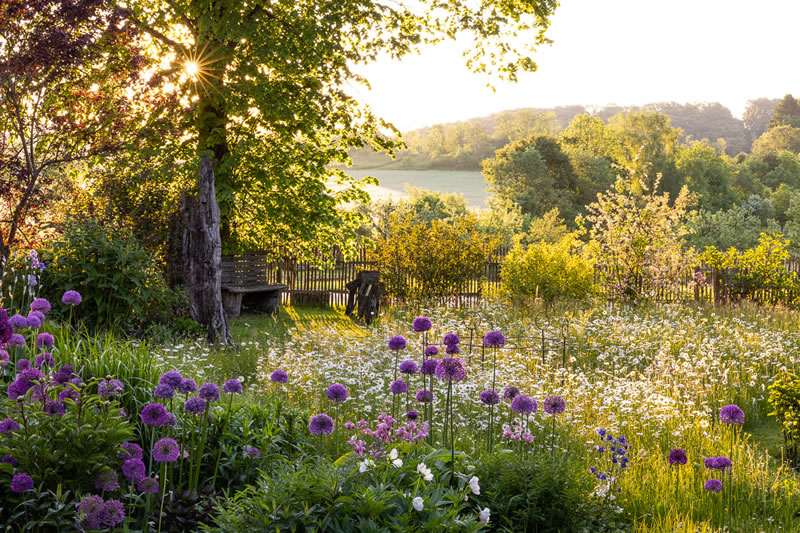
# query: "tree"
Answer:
x=757 y=116
x=707 y=174
x=734 y=228
x=776 y=139
x=266 y=87
x=787 y=113
x=67 y=68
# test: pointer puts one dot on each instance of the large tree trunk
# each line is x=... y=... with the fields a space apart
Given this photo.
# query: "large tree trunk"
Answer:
x=202 y=256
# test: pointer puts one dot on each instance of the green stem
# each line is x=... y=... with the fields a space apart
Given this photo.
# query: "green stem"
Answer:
x=221 y=439
x=201 y=450
x=163 y=493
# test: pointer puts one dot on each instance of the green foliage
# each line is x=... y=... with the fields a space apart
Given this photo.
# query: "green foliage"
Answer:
x=118 y=280
x=777 y=139
x=549 y=271
x=757 y=116
x=784 y=398
x=708 y=175
x=20 y=276
x=760 y=268
x=734 y=228
x=787 y=113
x=431 y=261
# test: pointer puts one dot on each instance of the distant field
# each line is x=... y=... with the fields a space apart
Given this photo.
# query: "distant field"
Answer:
x=392 y=183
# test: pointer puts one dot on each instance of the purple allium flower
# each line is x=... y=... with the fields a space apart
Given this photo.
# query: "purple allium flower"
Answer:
x=677 y=457
x=718 y=463
x=172 y=378
x=23 y=364
x=431 y=350
x=37 y=314
x=337 y=392
x=510 y=393
x=113 y=513
x=148 y=485
x=72 y=298
x=91 y=512
x=133 y=469
x=524 y=405
x=279 y=376
x=30 y=375
x=731 y=414
x=232 y=386
x=398 y=342
x=172 y=420
x=63 y=375
x=17 y=389
x=450 y=339
x=154 y=414
x=187 y=386
x=424 y=395
x=5 y=327
x=422 y=323
x=46 y=359
x=69 y=394
x=554 y=405
x=4 y=358
x=44 y=340
x=110 y=387
x=321 y=424
x=494 y=339
x=713 y=485
x=130 y=450
x=412 y=415
x=16 y=340
x=9 y=459
x=54 y=408
x=106 y=480
x=398 y=386
x=33 y=321
x=429 y=367
x=163 y=391
x=252 y=453
x=19 y=322
x=489 y=397
x=451 y=369
x=452 y=349
x=8 y=425
x=194 y=406
x=21 y=482
x=408 y=367
x=40 y=304
x=166 y=450
x=209 y=392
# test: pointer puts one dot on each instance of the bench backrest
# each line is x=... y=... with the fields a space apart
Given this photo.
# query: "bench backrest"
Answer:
x=245 y=270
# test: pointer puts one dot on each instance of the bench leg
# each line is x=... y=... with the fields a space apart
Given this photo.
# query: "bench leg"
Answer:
x=232 y=303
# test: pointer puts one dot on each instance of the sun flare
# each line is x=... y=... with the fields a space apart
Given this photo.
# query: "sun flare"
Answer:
x=192 y=68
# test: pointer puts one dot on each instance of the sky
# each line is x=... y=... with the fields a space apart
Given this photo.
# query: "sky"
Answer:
x=625 y=52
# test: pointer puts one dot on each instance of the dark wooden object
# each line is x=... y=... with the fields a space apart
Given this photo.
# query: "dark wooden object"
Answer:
x=366 y=291
x=244 y=283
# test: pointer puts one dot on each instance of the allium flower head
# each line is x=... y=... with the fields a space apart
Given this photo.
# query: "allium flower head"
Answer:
x=54 y=408
x=166 y=450
x=187 y=386
x=16 y=340
x=494 y=339
x=4 y=358
x=713 y=485
x=524 y=405
x=45 y=359
x=452 y=349
x=148 y=485
x=424 y=395
x=172 y=378
x=431 y=350
x=279 y=376
x=451 y=369
x=8 y=425
x=110 y=387
x=252 y=453
x=718 y=463
x=21 y=482
x=37 y=314
x=91 y=512
x=677 y=457
x=412 y=415
x=63 y=375
x=429 y=367
x=154 y=414
x=510 y=392
x=321 y=424
x=113 y=513
x=19 y=322
x=5 y=327
x=337 y=392
x=44 y=340
x=489 y=397
x=72 y=298
x=232 y=386
x=398 y=342
x=194 y=406
x=40 y=304
x=421 y=324
x=398 y=386
x=130 y=450
x=731 y=414
x=8 y=459
x=164 y=392
x=23 y=364
x=33 y=321
x=133 y=469
x=554 y=404
x=408 y=367
x=209 y=392
x=106 y=480
x=450 y=339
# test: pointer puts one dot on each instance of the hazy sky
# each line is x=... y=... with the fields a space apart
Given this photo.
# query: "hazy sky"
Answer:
x=610 y=51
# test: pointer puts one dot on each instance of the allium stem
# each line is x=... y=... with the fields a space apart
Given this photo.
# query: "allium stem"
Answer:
x=219 y=449
x=163 y=493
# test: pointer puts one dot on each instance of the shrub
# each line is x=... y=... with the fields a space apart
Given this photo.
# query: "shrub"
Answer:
x=119 y=282
x=784 y=398
x=548 y=270
x=433 y=260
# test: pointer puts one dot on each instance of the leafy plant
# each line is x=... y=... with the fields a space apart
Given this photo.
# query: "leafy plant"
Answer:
x=784 y=398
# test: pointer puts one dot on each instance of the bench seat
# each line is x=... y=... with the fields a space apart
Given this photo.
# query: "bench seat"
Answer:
x=264 y=298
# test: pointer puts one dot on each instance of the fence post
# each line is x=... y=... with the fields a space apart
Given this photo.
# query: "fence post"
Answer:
x=715 y=285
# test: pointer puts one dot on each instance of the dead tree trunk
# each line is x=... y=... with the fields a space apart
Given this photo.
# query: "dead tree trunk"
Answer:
x=202 y=255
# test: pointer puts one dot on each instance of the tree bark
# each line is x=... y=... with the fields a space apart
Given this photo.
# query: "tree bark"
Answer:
x=202 y=256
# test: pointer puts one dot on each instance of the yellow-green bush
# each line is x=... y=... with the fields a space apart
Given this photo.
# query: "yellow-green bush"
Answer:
x=549 y=271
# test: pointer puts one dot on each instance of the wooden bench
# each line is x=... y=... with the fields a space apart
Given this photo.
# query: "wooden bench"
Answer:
x=244 y=282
